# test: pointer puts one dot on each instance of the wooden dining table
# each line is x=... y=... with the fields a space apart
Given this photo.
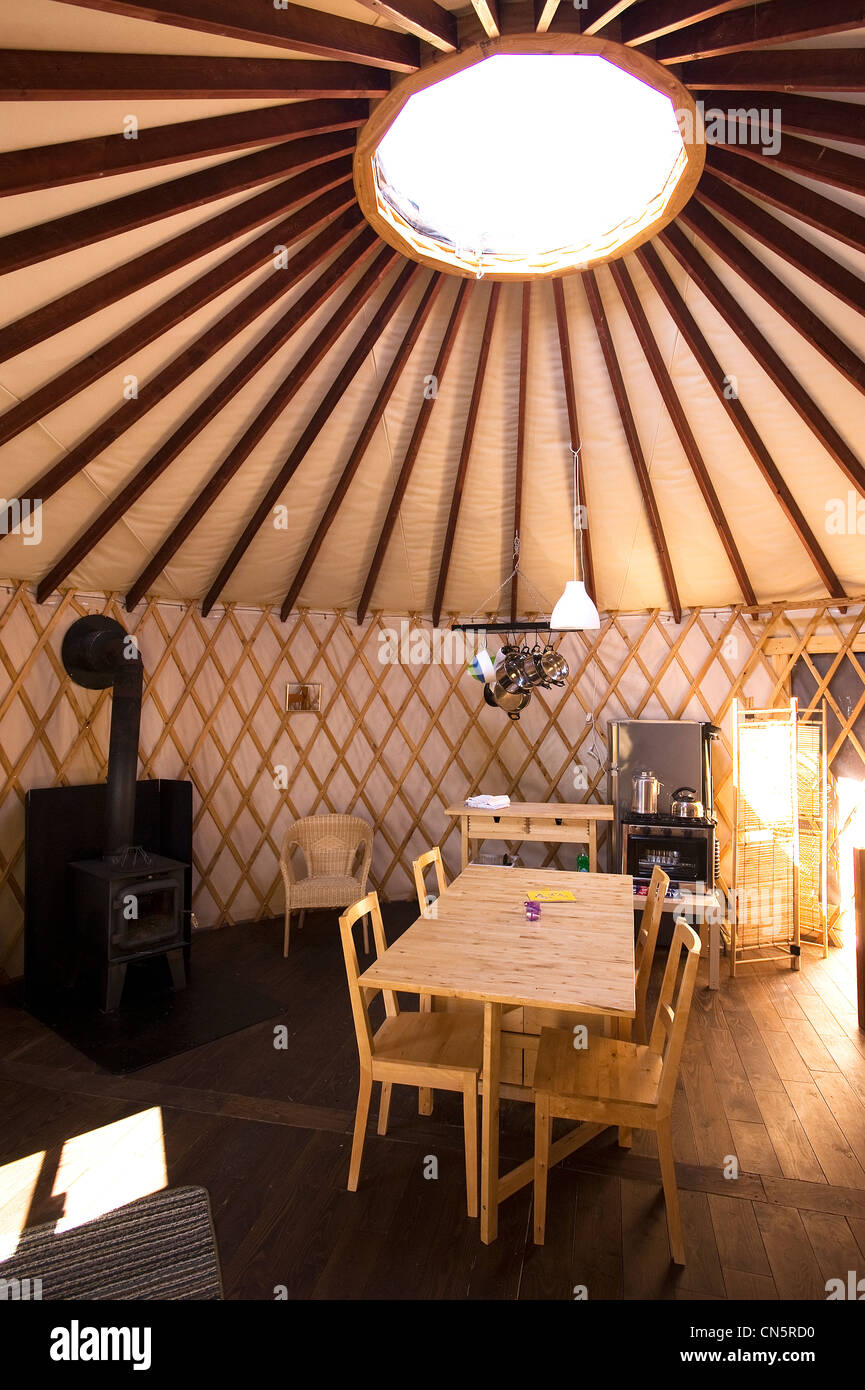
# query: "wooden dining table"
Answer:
x=474 y=942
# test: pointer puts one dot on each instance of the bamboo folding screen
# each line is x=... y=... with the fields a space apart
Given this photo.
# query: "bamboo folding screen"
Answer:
x=395 y=741
x=780 y=849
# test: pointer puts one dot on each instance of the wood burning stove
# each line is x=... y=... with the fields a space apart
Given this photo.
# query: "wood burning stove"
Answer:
x=124 y=912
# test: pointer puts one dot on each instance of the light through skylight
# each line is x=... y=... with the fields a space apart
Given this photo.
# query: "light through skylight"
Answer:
x=524 y=157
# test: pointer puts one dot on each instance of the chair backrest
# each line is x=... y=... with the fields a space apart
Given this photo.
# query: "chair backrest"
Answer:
x=674 y=1005
x=360 y=995
x=329 y=843
x=423 y=861
x=644 y=951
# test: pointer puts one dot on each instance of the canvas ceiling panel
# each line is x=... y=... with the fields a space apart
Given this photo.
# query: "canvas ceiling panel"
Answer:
x=278 y=553
x=29 y=371
x=199 y=460
x=22 y=210
x=351 y=542
x=256 y=579
x=739 y=487
x=32 y=287
x=812 y=474
x=846 y=322
x=416 y=546
x=482 y=550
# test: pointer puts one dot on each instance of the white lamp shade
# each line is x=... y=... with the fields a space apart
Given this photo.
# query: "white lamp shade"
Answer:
x=574 y=611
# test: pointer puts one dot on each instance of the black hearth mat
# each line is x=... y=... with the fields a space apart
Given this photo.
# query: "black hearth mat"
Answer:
x=153 y=1022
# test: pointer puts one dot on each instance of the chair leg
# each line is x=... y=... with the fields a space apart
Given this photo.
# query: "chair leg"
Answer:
x=384 y=1106
x=626 y=1137
x=671 y=1191
x=424 y=1095
x=470 y=1126
x=366 y=935
x=287 y=931
x=300 y=918
x=360 y=1119
x=543 y=1132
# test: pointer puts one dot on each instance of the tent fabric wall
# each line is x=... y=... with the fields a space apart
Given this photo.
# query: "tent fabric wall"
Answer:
x=396 y=740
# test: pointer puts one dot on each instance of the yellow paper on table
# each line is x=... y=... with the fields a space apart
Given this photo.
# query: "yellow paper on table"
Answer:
x=551 y=895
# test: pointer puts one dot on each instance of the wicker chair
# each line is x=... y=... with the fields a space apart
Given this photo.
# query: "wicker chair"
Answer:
x=330 y=846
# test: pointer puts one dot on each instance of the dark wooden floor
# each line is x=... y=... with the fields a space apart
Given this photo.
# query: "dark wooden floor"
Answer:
x=774 y=1073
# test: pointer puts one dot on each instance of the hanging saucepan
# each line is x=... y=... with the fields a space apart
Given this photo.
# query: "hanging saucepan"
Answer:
x=685 y=806
x=511 y=674
x=511 y=701
x=532 y=667
x=554 y=667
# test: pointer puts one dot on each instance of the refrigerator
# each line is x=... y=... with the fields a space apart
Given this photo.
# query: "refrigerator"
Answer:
x=677 y=751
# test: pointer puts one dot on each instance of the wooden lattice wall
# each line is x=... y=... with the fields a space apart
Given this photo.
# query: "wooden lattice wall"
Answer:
x=394 y=742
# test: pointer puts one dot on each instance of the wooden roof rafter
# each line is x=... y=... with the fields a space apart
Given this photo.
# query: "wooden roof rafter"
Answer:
x=173 y=310
x=423 y=18
x=653 y=18
x=776 y=236
x=295 y=27
x=93 y=224
x=784 y=69
x=100 y=156
x=46 y=75
x=687 y=440
x=717 y=378
x=629 y=427
x=414 y=444
x=265 y=418
x=805 y=157
x=796 y=199
x=321 y=415
x=727 y=305
x=564 y=337
x=781 y=298
x=348 y=227
x=819 y=118
x=487 y=12
x=758 y=26
x=465 y=452
x=168 y=256
x=363 y=440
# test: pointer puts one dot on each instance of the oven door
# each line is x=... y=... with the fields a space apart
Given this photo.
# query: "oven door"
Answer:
x=682 y=854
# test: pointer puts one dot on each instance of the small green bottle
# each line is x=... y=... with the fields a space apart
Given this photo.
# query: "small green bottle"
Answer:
x=582 y=862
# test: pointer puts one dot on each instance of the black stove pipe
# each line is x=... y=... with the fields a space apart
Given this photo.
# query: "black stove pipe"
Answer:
x=97 y=653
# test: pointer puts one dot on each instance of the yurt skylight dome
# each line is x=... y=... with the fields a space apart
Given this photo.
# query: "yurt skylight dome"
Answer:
x=525 y=163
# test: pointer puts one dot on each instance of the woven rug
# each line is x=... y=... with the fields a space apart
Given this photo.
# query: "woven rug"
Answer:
x=160 y=1247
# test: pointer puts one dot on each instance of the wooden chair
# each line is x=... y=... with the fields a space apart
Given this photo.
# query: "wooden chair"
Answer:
x=423 y=861
x=428 y=1050
x=330 y=846
x=613 y=1082
x=644 y=950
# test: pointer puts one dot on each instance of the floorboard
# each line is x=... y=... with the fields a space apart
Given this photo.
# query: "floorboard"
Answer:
x=773 y=1075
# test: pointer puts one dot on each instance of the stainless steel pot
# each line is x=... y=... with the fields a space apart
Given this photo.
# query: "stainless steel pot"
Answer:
x=685 y=805
x=511 y=701
x=511 y=675
x=645 y=796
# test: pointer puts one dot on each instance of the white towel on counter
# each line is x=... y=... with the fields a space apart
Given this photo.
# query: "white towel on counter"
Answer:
x=488 y=803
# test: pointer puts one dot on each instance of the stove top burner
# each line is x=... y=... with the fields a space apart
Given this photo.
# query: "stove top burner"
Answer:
x=660 y=818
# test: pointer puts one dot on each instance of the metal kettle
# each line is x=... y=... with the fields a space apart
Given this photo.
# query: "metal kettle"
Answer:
x=645 y=796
